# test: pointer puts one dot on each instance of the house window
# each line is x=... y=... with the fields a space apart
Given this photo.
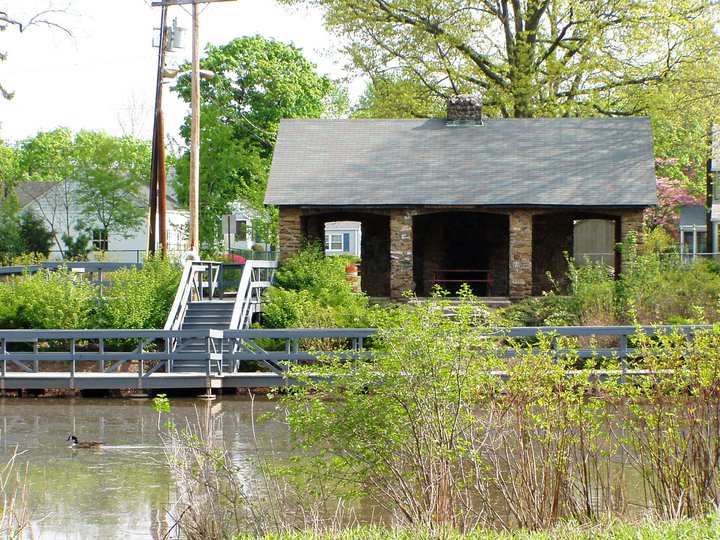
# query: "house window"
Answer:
x=241 y=231
x=100 y=240
x=334 y=242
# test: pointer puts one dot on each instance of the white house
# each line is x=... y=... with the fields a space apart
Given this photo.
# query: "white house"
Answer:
x=54 y=203
x=343 y=238
x=242 y=229
x=237 y=228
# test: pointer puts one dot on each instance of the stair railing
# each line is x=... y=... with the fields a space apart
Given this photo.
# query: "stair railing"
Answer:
x=256 y=277
x=199 y=281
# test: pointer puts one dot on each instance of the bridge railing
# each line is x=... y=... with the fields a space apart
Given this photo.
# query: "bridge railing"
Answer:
x=150 y=352
x=103 y=351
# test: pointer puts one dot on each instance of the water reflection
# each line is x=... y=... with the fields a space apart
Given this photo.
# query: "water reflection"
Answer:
x=124 y=489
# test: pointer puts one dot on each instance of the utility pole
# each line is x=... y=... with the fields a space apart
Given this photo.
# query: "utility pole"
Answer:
x=195 y=134
x=157 y=167
x=194 y=191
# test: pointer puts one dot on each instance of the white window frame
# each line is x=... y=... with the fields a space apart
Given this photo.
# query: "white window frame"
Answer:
x=100 y=240
x=334 y=241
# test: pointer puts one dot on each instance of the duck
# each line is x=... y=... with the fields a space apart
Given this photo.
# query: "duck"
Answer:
x=83 y=444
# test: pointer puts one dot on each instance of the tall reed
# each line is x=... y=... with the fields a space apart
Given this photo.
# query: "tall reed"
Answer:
x=14 y=507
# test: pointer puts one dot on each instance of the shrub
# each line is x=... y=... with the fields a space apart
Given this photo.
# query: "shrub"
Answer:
x=592 y=287
x=141 y=298
x=656 y=287
x=663 y=287
x=36 y=238
x=311 y=290
x=49 y=300
x=446 y=431
x=549 y=310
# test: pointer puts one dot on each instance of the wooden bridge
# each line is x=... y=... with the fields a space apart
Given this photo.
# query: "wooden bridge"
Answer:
x=239 y=358
x=207 y=342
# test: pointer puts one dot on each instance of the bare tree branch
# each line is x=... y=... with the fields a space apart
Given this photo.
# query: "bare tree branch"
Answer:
x=46 y=18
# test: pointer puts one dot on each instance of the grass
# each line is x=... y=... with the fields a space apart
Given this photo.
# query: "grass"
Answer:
x=686 y=529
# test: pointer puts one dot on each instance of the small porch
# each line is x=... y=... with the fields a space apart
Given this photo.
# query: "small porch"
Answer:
x=498 y=252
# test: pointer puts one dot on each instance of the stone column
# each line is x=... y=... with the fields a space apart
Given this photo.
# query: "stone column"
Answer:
x=632 y=220
x=520 y=271
x=290 y=234
x=401 y=252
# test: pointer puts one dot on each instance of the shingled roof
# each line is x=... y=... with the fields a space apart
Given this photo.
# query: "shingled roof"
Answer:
x=504 y=162
x=28 y=191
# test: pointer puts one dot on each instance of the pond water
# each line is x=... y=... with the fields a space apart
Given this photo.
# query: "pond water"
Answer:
x=124 y=489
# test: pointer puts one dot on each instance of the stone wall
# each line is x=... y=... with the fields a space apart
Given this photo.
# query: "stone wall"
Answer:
x=401 y=252
x=291 y=234
x=632 y=220
x=520 y=271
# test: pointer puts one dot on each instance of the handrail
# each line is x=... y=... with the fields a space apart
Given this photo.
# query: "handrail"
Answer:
x=177 y=310
x=250 y=290
x=192 y=287
x=154 y=348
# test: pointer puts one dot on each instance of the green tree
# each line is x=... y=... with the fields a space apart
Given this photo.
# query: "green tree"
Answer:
x=97 y=175
x=9 y=223
x=257 y=82
x=231 y=169
x=48 y=157
x=10 y=236
x=388 y=96
x=110 y=172
x=531 y=57
x=8 y=168
x=35 y=237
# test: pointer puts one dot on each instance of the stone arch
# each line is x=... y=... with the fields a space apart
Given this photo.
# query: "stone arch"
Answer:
x=553 y=237
x=461 y=240
x=374 y=249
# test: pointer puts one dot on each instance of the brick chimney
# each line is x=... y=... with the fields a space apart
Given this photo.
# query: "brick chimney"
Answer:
x=464 y=110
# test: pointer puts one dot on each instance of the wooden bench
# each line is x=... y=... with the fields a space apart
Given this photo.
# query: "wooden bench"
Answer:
x=454 y=275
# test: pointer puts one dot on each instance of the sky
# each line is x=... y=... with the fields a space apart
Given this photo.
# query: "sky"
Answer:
x=103 y=76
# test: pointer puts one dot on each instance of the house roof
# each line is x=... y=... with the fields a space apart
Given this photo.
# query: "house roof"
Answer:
x=28 y=192
x=504 y=162
x=693 y=216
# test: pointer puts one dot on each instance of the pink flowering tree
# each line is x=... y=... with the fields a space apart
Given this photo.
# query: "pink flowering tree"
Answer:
x=673 y=194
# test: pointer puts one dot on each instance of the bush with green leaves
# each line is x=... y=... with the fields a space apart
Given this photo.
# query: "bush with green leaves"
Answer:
x=312 y=291
x=548 y=310
x=444 y=429
x=135 y=298
x=655 y=287
x=141 y=298
x=50 y=300
x=667 y=289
